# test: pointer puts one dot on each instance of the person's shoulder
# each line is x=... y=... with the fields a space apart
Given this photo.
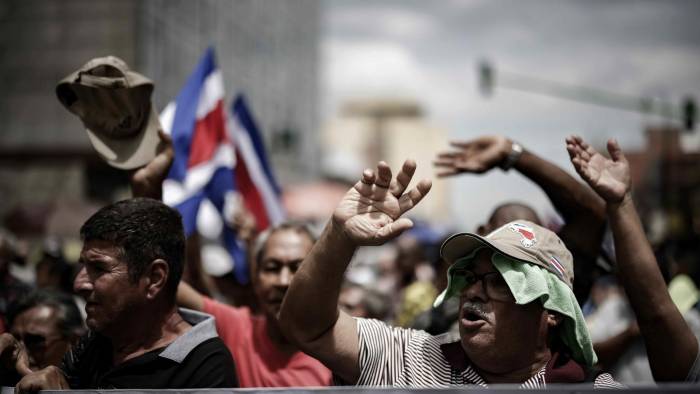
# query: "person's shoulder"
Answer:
x=210 y=364
x=381 y=333
x=209 y=347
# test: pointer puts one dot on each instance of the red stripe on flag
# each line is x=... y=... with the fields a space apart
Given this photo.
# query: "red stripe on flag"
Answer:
x=251 y=195
x=209 y=132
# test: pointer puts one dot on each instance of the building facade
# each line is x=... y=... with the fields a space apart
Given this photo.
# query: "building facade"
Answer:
x=267 y=50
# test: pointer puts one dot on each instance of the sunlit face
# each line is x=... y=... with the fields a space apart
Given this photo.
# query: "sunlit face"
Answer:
x=498 y=336
x=103 y=280
x=281 y=257
x=38 y=329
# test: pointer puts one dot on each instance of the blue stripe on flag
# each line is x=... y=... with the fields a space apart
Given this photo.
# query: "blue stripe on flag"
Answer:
x=188 y=210
x=186 y=114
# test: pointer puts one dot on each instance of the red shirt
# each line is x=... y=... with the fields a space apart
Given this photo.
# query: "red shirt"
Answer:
x=258 y=362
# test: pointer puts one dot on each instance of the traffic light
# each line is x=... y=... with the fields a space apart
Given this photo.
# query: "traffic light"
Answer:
x=689 y=113
x=486 y=78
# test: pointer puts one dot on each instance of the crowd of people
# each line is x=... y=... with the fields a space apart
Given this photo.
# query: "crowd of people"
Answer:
x=517 y=301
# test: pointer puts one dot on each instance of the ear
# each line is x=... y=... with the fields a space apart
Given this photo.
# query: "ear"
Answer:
x=554 y=319
x=156 y=276
x=481 y=230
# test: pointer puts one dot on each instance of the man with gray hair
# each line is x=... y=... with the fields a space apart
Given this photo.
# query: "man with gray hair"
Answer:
x=264 y=356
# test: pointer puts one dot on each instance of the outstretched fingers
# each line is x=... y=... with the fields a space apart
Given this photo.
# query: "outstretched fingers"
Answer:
x=368 y=177
x=413 y=197
x=383 y=179
x=399 y=185
x=615 y=151
x=575 y=146
x=578 y=147
x=461 y=144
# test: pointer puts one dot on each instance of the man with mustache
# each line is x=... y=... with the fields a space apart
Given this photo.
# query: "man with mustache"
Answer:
x=519 y=319
x=132 y=260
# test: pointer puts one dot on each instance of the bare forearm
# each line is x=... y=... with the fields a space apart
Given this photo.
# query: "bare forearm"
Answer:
x=636 y=263
x=671 y=346
x=310 y=307
x=571 y=198
x=141 y=187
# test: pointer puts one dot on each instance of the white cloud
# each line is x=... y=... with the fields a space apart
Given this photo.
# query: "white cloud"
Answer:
x=425 y=51
x=389 y=21
x=371 y=67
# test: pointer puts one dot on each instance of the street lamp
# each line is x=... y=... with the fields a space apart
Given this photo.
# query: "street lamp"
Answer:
x=488 y=80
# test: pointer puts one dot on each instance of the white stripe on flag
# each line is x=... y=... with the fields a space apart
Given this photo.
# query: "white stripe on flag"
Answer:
x=212 y=92
x=167 y=116
x=272 y=204
x=198 y=176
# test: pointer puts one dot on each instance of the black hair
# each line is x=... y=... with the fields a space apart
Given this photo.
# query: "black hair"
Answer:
x=69 y=320
x=144 y=230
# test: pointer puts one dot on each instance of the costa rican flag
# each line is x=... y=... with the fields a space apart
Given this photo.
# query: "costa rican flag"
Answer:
x=204 y=173
x=254 y=176
x=557 y=267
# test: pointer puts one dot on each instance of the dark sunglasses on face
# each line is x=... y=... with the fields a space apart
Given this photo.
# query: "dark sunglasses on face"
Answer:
x=36 y=341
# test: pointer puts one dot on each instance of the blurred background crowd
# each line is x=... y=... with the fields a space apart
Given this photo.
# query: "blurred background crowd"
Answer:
x=336 y=86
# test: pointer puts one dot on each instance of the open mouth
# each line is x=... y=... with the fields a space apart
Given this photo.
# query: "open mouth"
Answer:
x=472 y=316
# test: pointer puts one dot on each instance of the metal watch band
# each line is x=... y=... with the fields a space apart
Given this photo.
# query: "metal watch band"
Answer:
x=516 y=150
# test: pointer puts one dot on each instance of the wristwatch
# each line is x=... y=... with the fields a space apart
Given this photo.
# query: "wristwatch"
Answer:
x=516 y=150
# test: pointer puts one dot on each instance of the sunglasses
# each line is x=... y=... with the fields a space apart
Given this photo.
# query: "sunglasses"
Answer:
x=36 y=341
x=494 y=285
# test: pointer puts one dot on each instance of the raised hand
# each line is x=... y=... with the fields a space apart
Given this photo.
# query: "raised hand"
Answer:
x=49 y=378
x=476 y=156
x=147 y=181
x=610 y=178
x=13 y=355
x=370 y=212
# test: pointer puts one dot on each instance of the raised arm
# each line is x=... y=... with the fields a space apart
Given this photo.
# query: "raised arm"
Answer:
x=369 y=214
x=671 y=345
x=147 y=181
x=583 y=211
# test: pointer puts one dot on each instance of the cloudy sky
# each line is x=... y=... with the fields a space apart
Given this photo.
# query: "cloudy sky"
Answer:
x=428 y=51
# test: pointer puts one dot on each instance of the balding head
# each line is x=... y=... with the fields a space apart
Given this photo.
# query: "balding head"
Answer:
x=506 y=213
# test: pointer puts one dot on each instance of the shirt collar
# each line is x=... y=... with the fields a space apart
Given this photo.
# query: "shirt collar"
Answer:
x=203 y=328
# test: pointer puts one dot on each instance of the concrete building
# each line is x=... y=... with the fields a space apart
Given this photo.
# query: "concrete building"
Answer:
x=392 y=130
x=267 y=50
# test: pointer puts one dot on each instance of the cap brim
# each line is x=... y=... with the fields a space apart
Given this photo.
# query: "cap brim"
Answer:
x=133 y=152
x=462 y=244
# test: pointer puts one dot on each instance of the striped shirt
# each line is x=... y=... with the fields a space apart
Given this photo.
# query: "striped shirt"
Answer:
x=394 y=356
